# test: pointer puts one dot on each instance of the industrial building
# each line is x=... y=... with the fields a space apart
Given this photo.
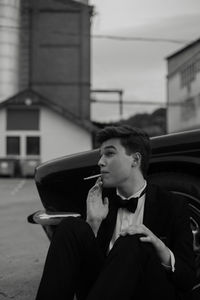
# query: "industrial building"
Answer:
x=44 y=79
x=183 y=89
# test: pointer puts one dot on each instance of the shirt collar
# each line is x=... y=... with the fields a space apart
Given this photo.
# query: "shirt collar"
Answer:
x=134 y=195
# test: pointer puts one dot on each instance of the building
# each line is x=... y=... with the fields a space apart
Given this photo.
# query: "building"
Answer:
x=45 y=46
x=59 y=53
x=10 y=45
x=44 y=79
x=34 y=129
x=183 y=88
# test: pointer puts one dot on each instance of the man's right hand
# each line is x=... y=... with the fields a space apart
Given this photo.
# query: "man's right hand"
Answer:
x=97 y=209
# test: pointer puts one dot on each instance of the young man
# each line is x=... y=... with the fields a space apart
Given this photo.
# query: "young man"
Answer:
x=136 y=241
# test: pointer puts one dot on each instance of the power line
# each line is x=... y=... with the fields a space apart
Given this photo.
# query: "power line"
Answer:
x=110 y=37
x=140 y=39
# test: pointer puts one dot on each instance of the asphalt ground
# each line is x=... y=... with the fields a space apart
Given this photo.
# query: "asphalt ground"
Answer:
x=23 y=246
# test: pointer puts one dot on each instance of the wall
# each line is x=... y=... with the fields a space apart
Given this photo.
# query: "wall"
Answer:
x=61 y=137
x=184 y=92
x=9 y=54
x=2 y=133
x=60 y=54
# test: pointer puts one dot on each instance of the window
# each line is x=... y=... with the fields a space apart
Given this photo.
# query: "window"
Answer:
x=22 y=119
x=33 y=145
x=13 y=145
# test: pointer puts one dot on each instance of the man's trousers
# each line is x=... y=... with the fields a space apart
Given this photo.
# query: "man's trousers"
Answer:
x=75 y=265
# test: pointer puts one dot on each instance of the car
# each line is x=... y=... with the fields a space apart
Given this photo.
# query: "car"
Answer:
x=175 y=165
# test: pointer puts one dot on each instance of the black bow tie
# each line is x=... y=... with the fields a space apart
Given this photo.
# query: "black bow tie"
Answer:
x=130 y=204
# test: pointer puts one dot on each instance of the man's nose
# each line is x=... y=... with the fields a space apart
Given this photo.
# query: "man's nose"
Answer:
x=101 y=162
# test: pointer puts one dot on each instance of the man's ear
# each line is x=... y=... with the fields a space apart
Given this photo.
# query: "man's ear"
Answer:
x=136 y=159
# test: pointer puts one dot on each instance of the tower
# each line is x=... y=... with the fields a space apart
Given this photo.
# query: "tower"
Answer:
x=45 y=47
x=9 y=47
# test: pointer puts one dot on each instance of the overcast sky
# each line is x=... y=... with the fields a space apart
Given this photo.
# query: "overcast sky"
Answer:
x=139 y=68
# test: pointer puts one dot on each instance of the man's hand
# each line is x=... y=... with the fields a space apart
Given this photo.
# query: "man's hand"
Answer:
x=161 y=249
x=97 y=209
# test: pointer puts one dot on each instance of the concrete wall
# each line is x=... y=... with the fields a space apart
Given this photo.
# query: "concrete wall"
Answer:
x=60 y=54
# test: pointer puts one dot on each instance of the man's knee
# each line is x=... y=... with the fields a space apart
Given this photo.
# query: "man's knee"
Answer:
x=132 y=244
x=127 y=244
x=128 y=241
x=73 y=226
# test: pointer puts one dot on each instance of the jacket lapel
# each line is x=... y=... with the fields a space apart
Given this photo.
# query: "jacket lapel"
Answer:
x=151 y=208
x=108 y=225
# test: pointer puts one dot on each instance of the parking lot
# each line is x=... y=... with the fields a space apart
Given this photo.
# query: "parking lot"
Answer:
x=23 y=246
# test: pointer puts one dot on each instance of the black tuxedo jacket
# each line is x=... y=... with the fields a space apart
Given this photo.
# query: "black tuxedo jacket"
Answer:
x=167 y=216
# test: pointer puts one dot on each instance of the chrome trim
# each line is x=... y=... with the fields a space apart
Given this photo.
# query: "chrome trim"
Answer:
x=196 y=234
x=43 y=217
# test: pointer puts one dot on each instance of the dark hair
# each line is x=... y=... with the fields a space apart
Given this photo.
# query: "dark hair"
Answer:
x=131 y=138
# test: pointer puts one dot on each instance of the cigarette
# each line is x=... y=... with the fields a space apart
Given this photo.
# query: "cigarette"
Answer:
x=91 y=177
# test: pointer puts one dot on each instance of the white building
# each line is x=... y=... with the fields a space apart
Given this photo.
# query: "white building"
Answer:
x=183 y=88
x=34 y=130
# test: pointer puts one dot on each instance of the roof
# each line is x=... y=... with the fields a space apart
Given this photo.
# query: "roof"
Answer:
x=77 y=3
x=192 y=44
x=31 y=98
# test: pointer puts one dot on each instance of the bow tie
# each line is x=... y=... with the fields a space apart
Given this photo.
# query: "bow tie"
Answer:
x=129 y=204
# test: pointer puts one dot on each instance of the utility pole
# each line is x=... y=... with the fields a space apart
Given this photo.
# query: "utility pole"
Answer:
x=110 y=91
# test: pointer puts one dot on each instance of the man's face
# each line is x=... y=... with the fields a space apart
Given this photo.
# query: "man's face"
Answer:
x=115 y=165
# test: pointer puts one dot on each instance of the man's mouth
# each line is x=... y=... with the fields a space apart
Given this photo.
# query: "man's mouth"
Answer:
x=104 y=173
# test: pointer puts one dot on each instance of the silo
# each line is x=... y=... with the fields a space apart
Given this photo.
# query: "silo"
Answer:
x=9 y=47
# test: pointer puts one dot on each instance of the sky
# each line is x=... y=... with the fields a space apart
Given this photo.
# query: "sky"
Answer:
x=137 y=67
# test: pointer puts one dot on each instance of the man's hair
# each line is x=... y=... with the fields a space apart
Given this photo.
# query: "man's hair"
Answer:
x=131 y=138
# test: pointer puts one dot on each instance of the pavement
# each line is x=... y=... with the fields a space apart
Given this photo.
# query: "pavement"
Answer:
x=23 y=246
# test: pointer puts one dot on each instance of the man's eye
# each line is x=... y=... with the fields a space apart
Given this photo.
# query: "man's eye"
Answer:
x=109 y=153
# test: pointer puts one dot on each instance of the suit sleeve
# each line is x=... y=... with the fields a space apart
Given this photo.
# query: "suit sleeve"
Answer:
x=182 y=247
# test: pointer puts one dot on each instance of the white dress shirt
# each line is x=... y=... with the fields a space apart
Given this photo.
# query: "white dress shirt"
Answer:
x=125 y=218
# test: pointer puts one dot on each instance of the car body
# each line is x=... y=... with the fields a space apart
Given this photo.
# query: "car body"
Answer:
x=175 y=165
